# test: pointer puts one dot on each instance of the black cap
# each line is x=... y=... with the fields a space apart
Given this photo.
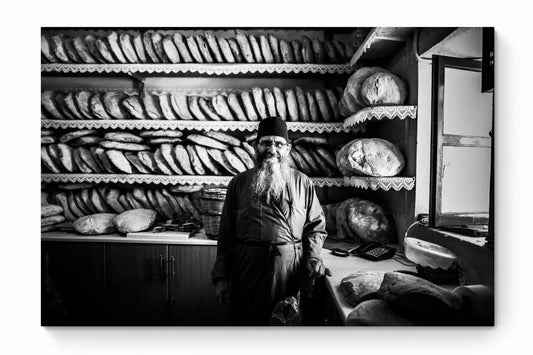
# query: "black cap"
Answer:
x=272 y=126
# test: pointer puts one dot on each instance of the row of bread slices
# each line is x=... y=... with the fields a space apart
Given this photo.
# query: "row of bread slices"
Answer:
x=208 y=153
x=154 y=47
x=76 y=201
x=293 y=104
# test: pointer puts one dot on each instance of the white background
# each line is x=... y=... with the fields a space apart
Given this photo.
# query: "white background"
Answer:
x=20 y=248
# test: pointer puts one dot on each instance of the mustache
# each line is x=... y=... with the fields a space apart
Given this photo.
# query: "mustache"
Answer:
x=270 y=176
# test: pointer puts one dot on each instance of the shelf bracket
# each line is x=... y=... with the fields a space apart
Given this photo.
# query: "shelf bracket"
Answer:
x=139 y=80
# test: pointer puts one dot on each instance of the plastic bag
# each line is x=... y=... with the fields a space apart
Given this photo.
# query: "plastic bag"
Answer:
x=287 y=312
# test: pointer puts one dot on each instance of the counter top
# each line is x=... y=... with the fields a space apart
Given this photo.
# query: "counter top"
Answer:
x=341 y=267
x=61 y=236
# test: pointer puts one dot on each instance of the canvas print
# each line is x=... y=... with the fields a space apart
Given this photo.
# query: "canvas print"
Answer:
x=338 y=176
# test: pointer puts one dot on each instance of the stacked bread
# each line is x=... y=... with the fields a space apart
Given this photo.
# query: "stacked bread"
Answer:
x=211 y=203
x=370 y=156
x=313 y=156
x=80 y=200
x=371 y=86
x=51 y=217
x=121 y=47
x=293 y=104
x=359 y=220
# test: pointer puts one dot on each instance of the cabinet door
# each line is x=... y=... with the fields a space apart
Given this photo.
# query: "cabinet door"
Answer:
x=137 y=284
x=191 y=293
x=72 y=279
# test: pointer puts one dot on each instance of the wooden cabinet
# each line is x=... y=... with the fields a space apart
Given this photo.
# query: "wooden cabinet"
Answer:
x=129 y=284
x=191 y=293
x=136 y=284
x=73 y=284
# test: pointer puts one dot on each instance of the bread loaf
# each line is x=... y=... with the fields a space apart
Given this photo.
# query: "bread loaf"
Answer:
x=76 y=211
x=149 y=47
x=164 y=205
x=247 y=101
x=139 y=48
x=167 y=152
x=141 y=197
x=369 y=221
x=225 y=50
x=213 y=46
x=135 y=147
x=58 y=48
x=112 y=39
x=244 y=156
x=71 y=51
x=204 y=49
x=361 y=286
x=301 y=164
x=351 y=100
x=333 y=103
x=49 y=105
x=331 y=53
x=179 y=104
x=194 y=50
x=377 y=313
x=315 y=169
x=297 y=51
x=161 y=133
x=206 y=160
x=133 y=201
x=127 y=48
x=70 y=104
x=164 y=104
x=151 y=106
x=303 y=107
x=181 y=46
x=234 y=161
x=85 y=141
x=81 y=204
x=90 y=40
x=340 y=51
x=98 y=202
x=235 y=50
x=270 y=102
x=308 y=55
x=161 y=162
x=383 y=89
x=136 y=163
x=137 y=220
x=48 y=140
x=256 y=49
x=257 y=94
x=124 y=202
x=112 y=200
x=420 y=299
x=182 y=158
x=119 y=160
x=148 y=160
x=170 y=49
x=206 y=141
x=46 y=49
x=281 y=106
x=318 y=51
x=208 y=110
x=105 y=50
x=48 y=221
x=134 y=107
x=82 y=99
x=221 y=107
x=292 y=105
x=157 y=40
x=236 y=107
x=195 y=108
x=113 y=105
x=160 y=140
x=61 y=105
x=265 y=49
x=48 y=162
x=219 y=158
x=249 y=149
x=97 y=107
x=196 y=163
x=285 y=48
x=50 y=210
x=370 y=156
x=244 y=46
x=173 y=202
x=223 y=137
x=123 y=137
x=274 y=46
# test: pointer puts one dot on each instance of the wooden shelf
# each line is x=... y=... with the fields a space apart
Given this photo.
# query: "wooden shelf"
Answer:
x=373 y=183
x=207 y=69
x=381 y=42
x=379 y=113
x=311 y=127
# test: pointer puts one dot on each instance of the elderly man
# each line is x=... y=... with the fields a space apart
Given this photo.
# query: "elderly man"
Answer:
x=271 y=231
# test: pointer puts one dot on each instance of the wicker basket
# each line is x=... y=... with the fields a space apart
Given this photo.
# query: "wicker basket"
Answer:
x=211 y=224
x=211 y=201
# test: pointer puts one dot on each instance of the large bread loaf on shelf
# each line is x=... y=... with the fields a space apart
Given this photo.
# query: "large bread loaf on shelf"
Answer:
x=136 y=220
x=50 y=210
x=100 y=223
x=383 y=89
x=370 y=156
x=369 y=221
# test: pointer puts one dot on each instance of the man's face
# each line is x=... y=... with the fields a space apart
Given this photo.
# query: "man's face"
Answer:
x=271 y=148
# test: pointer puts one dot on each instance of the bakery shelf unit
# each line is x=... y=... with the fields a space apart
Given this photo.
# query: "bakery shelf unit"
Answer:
x=205 y=69
x=380 y=43
x=310 y=127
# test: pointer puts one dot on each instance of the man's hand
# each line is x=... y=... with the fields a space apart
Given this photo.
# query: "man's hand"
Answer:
x=222 y=291
x=315 y=268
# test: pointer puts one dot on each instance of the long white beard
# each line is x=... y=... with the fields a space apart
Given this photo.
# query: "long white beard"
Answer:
x=270 y=178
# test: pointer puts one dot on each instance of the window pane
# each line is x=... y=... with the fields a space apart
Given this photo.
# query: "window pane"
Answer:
x=465 y=180
x=467 y=111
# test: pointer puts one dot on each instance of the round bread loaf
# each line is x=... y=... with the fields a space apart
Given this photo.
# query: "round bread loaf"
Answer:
x=100 y=223
x=170 y=49
x=360 y=285
x=136 y=220
x=383 y=89
x=369 y=221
